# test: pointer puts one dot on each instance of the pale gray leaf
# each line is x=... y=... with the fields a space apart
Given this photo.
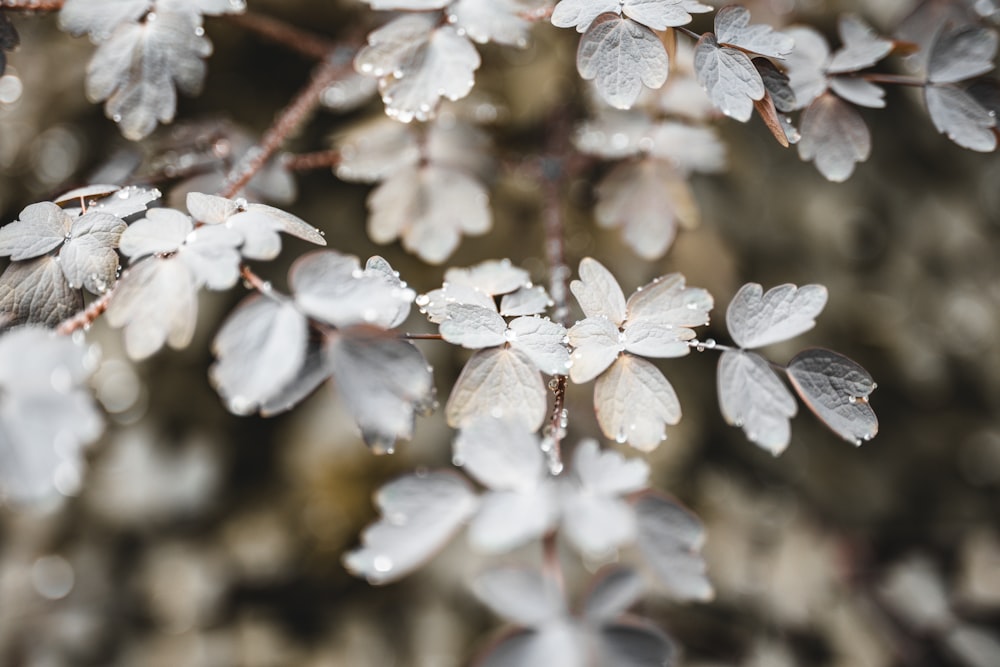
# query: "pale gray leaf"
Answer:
x=635 y=645
x=163 y=230
x=414 y=5
x=756 y=319
x=669 y=303
x=501 y=454
x=859 y=91
x=497 y=21
x=375 y=149
x=210 y=251
x=124 y=202
x=394 y=44
x=961 y=52
x=454 y=141
x=806 y=65
x=777 y=84
x=99 y=18
x=621 y=56
x=435 y=303
x=613 y=592
x=836 y=389
x=89 y=263
x=206 y=7
x=493 y=277
x=862 y=46
x=155 y=302
x=500 y=382
x=541 y=340
x=473 y=327
x=753 y=398
x=732 y=27
x=558 y=642
x=36 y=292
x=635 y=403
x=333 y=288
x=525 y=301
x=598 y=292
x=648 y=199
x=615 y=133
x=260 y=349
x=429 y=207
x=596 y=343
x=81 y=194
x=607 y=472
x=507 y=520
x=520 y=595
x=688 y=147
x=596 y=525
x=670 y=540
x=211 y=209
x=383 y=381
x=349 y=92
x=728 y=76
x=835 y=136
x=974 y=646
x=961 y=118
x=312 y=373
x=260 y=239
x=420 y=513
x=38 y=229
x=651 y=339
x=580 y=14
x=662 y=14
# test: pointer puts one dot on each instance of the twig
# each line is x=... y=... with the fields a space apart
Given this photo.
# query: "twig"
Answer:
x=32 y=5
x=894 y=79
x=309 y=161
x=285 y=34
x=88 y=315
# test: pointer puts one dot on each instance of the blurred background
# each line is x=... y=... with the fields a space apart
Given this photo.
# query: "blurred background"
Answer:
x=200 y=538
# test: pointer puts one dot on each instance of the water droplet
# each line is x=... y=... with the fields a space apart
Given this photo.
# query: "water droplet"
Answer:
x=382 y=564
x=52 y=577
x=239 y=405
x=621 y=437
x=241 y=203
x=852 y=399
x=199 y=31
x=457 y=461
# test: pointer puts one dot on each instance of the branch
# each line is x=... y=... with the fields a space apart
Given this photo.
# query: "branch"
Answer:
x=309 y=161
x=285 y=34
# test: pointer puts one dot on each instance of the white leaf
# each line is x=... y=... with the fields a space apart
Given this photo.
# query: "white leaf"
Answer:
x=435 y=303
x=415 y=5
x=836 y=389
x=499 y=382
x=958 y=115
x=614 y=591
x=596 y=344
x=668 y=303
x=670 y=539
x=806 y=65
x=835 y=136
x=634 y=403
x=634 y=644
x=732 y=27
x=525 y=301
x=607 y=472
x=520 y=595
x=752 y=397
x=36 y=292
x=502 y=454
x=375 y=149
x=961 y=52
x=598 y=292
x=663 y=14
x=473 y=327
x=420 y=513
x=688 y=147
x=862 y=46
x=162 y=230
x=88 y=257
x=495 y=276
x=541 y=340
x=211 y=253
x=497 y=21
x=615 y=133
x=729 y=78
x=859 y=91
x=621 y=56
x=756 y=319
x=38 y=229
x=99 y=18
x=124 y=202
x=581 y=13
x=558 y=642
x=597 y=525
x=507 y=520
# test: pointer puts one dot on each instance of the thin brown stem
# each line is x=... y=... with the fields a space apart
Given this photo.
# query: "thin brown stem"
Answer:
x=310 y=161
x=275 y=30
x=426 y=336
x=894 y=79
x=550 y=560
x=32 y=5
x=88 y=315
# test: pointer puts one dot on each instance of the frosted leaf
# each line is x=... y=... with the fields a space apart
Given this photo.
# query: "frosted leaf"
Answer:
x=608 y=472
x=259 y=235
x=961 y=52
x=333 y=288
x=663 y=14
x=375 y=149
x=444 y=68
x=621 y=56
x=491 y=21
x=615 y=133
x=420 y=513
x=501 y=454
x=493 y=277
x=207 y=7
x=654 y=339
x=260 y=349
x=598 y=292
x=755 y=318
x=99 y=18
x=669 y=303
x=311 y=374
x=162 y=230
x=429 y=207
x=670 y=540
x=85 y=192
x=777 y=84
x=501 y=382
x=349 y=92
x=507 y=520
x=436 y=302
x=596 y=344
x=836 y=389
x=635 y=644
x=648 y=200
x=558 y=642
x=834 y=136
x=520 y=595
x=450 y=141
x=688 y=147
x=961 y=118
x=733 y=28
x=44 y=424
x=266 y=220
x=581 y=13
x=752 y=397
x=415 y=5
x=634 y=403
x=859 y=91
x=541 y=340
x=36 y=292
x=124 y=202
x=728 y=76
x=473 y=327
x=138 y=69
x=38 y=229
x=525 y=301
x=614 y=591
x=862 y=46
x=155 y=302
x=806 y=65
x=88 y=257
x=383 y=381
x=211 y=253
